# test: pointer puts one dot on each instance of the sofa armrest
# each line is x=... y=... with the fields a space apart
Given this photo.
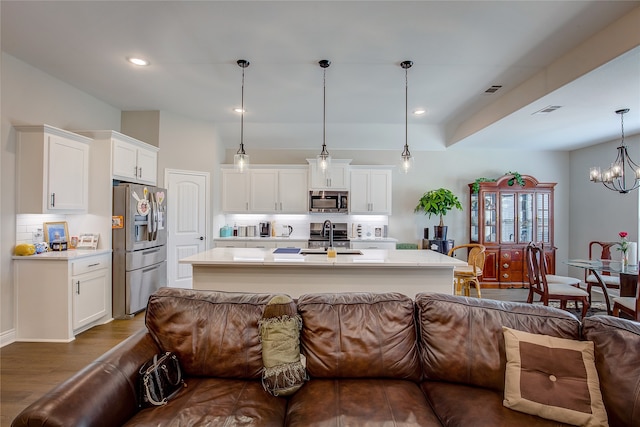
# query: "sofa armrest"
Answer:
x=104 y=393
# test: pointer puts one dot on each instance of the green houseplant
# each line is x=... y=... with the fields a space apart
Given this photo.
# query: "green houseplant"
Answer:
x=438 y=202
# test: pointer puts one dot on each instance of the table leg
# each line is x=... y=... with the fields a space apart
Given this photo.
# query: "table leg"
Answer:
x=604 y=291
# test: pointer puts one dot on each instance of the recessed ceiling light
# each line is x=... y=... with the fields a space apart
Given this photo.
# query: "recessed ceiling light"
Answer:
x=419 y=111
x=239 y=110
x=138 y=61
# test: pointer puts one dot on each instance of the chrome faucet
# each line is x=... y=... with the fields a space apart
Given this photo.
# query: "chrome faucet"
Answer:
x=324 y=231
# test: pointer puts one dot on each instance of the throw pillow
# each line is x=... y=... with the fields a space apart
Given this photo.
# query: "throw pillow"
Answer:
x=284 y=371
x=553 y=378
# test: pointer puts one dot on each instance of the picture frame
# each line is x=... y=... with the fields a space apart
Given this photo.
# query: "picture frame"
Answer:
x=88 y=241
x=56 y=232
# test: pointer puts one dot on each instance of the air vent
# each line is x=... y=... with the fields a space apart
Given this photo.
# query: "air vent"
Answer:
x=493 y=89
x=548 y=109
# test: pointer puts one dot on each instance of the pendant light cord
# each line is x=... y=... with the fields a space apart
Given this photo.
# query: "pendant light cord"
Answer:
x=406 y=111
x=324 y=108
x=241 y=149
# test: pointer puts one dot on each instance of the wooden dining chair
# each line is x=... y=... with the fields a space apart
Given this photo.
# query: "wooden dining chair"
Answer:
x=538 y=284
x=628 y=305
x=465 y=276
x=601 y=250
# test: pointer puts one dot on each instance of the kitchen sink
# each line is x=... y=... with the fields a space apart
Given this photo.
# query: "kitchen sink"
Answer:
x=324 y=252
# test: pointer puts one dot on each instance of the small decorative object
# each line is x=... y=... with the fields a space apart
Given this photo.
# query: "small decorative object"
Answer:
x=41 y=247
x=623 y=246
x=25 y=249
x=56 y=232
x=88 y=241
x=438 y=202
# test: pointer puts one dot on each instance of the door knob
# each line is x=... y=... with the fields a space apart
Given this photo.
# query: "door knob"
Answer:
x=200 y=238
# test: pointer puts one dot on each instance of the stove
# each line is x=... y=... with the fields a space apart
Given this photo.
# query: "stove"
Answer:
x=319 y=239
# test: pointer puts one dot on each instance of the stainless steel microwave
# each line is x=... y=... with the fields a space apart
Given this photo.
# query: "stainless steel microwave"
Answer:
x=329 y=201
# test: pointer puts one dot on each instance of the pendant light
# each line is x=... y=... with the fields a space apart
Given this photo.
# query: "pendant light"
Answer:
x=407 y=159
x=241 y=159
x=623 y=168
x=324 y=158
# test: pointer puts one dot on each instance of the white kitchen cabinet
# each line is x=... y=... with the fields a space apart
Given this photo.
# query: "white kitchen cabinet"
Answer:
x=133 y=160
x=90 y=282
x=373 y=244
x=278 y=190
x=261 y=244
x=265 y=190
x=235 y=190
x=370 y=191
x=229 y=244
x=337 y=178
x=52 y=169
x=58 y=297
x=292 y=244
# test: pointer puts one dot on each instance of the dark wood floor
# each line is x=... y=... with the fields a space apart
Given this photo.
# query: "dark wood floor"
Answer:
x=28 y=370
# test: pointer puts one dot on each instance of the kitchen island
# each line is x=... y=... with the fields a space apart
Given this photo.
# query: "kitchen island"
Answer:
x=311 y=271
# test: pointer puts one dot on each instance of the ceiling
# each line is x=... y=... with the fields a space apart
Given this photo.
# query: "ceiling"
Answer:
x=459 y=49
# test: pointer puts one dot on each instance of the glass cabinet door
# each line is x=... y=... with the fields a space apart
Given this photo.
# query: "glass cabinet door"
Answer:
x=474 y=232
x=525 y=217
x=543 y=212
x=507 y=218
x=490 y=217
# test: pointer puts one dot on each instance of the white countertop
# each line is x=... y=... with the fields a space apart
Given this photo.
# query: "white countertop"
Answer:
x=68 y=255
x=378 y=257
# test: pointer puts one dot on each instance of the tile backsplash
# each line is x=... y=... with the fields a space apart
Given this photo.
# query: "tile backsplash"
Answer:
x=27 y=224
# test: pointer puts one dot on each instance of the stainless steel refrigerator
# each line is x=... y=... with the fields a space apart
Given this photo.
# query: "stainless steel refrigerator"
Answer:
x=139 y=246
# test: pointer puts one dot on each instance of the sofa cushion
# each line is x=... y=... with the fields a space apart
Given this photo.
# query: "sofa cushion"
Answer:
x=554 y=378
x=360 y=402
x=616 y=343
x=460 y=405
x=461 y=338
x=358 y=335
x=213 y=333
x=216 y=402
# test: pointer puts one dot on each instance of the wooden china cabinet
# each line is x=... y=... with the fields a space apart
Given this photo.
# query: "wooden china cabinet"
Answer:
x=504 y=217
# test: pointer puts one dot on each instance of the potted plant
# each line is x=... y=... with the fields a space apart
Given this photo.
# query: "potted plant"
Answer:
x=438 y=202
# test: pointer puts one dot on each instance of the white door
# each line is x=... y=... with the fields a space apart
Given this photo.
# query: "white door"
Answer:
x=187 y=201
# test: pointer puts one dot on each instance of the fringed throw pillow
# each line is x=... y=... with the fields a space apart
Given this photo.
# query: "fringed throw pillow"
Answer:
x=284 y=369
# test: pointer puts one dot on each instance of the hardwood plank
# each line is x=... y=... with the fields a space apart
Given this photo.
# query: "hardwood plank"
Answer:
x=29 y=370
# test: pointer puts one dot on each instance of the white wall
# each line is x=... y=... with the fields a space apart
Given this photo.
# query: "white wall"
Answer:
x=31 y=97
x=597 y=213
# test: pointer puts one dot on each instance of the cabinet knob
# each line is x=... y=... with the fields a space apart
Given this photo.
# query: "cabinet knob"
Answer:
x=505 y=265
x=517 y=252
x=78 y=289
x=505 y=255
x=53 y=200
x=505 y=275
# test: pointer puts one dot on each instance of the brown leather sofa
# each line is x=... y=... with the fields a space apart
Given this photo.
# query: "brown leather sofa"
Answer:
x=373 y=360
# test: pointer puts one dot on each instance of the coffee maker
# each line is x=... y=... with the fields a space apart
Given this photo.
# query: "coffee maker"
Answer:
x=265 y=229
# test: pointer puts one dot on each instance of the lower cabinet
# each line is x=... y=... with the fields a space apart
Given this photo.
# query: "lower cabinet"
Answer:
x=59 y=297
x=506 y=267
x=373 y=245
x=268 y=244
x=89 y=283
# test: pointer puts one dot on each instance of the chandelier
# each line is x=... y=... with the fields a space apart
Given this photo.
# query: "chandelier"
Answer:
x=624 y=174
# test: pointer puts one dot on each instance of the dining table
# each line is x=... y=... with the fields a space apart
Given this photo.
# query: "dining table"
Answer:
x=628 y=276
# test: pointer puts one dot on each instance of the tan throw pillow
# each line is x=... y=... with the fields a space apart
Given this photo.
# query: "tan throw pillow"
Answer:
x=553 y=378
x=284 y=367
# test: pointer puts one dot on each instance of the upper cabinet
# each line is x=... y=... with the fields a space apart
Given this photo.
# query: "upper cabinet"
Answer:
x=265 y=190
x=505 y=216
x=52 y=170
x=336 y=178
x=370 y=191
x=131 y=160
x=235 y=190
